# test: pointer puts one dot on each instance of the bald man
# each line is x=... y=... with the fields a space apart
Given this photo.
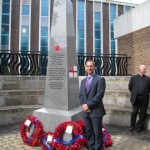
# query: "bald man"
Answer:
x=139 y=86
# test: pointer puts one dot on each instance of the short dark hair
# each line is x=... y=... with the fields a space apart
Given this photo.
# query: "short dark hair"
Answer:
x=90 y=60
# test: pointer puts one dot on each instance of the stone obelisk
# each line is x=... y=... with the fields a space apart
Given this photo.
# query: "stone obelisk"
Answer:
x=61 y=100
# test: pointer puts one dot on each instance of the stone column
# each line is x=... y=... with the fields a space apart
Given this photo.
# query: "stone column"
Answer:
x=61 y=101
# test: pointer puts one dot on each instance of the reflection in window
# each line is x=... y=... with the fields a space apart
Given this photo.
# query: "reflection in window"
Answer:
x=80 y=26
x=127 y=8
x=97 y=28
x=25 y=26
x=25 y=10
x=113 y=15
x=5 y=25
x=44 y=36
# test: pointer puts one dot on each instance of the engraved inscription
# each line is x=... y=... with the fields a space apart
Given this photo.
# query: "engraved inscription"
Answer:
x=56 y=77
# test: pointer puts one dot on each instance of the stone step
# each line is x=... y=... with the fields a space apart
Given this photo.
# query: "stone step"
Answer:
x=117 y=93
x=121 y=116
x=22 y=83
x=117 y=101
x=21 y=97
x=11 y=115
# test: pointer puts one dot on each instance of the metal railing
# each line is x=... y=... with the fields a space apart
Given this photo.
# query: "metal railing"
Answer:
x=35 y=63
x=23 y=63
x=106 y=64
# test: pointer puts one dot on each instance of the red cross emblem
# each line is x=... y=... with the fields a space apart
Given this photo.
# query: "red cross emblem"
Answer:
x=73 y=72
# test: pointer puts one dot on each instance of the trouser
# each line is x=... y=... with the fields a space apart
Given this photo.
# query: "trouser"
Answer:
x=140 y=106
x=94 y=132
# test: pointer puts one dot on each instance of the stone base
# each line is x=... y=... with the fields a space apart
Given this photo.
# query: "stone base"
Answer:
x=51 y=118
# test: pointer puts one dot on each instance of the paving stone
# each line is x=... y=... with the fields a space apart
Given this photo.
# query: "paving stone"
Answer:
x=122 y=139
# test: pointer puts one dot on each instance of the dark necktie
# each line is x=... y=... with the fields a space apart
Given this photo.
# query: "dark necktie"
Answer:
x=87 y=84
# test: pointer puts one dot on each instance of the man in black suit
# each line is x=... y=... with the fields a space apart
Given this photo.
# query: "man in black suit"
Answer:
x=139 y=86
x=92 y=105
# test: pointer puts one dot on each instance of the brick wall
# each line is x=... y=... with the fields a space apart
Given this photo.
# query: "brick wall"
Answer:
x=137 y=46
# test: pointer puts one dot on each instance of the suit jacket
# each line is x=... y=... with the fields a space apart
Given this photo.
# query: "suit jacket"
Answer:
x=94 y=97
x=133 y=87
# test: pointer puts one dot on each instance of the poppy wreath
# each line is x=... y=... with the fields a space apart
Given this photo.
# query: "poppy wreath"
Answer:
x=107 y=141
x=46 y=145
x=82 y=125
x=33 y=139
x=74 y=144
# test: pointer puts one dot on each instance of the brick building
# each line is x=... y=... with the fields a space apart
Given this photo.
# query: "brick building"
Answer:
x=132 y=31
x=25 y=25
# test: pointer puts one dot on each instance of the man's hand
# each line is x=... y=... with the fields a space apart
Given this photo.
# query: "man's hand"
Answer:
x=86 y=108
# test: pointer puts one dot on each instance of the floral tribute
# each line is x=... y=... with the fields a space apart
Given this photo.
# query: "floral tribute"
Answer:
x=78 y=138
x=29 y=137
x=47 y=141
x=107 y=141
x=32 y=134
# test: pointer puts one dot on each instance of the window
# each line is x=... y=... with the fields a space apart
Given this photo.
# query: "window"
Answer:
x=113 y=15
x=80 y=26
x=5 y=25
x=97 y=27
x=25 y=25
x=44 y=36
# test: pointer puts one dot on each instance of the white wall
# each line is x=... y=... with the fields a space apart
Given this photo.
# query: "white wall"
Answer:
x=133 y=20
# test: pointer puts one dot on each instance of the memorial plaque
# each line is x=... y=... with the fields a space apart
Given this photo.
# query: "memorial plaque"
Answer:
x=61 y=100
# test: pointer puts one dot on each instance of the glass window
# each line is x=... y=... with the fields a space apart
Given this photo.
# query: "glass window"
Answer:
x=97 y=25
x=25 y=10
x=80 y=15
x=26 y=2
x=127 y=8
x=25 y=30
x=24 y=40
x=44 y=3
x=113 y=44
x=44 y=31
x=113 y=8
x=97 y=51
x=6 y=1
x=25 y=20
x=113 y=16
x=97 y=16
x=44 y=48
x=81 y=43
x=4 y=39
x=44 y=41
x=5 y=19
x=24 y=47
x=5 y=8
x=44 y=11
x=44 y=21
x=5 y=29
x=80 y=33
x=4 y=47
x=80 y=50
x=112 y=35
x=80 y=4
x=97 y=34
x=97 y=43
x=112 y=27
x=80 y=23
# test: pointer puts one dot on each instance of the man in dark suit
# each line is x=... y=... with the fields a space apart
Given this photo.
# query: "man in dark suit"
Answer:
x=92 y=90
x=139 y=86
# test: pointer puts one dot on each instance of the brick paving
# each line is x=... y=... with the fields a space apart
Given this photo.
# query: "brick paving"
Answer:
x=122 y=139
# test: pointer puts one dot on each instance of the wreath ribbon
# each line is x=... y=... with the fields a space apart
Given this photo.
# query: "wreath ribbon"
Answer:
x=46 y=144
x=29 y=138
x=66 y=143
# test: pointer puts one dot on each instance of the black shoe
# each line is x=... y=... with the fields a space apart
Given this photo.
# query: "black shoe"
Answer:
x=139 y=130
x=131 y=128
